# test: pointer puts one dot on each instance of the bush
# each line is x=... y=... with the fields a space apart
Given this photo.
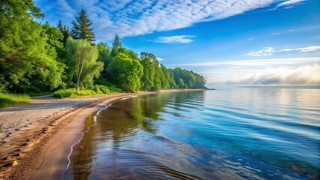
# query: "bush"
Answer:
x=65 y=93
x=97 y=89
x=86 y=92
x=100 y=89
x=12 y=99
x=110 y=86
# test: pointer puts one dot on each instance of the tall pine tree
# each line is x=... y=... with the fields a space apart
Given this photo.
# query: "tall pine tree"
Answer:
x=116 y=46
x=65 y=31
x=82 y=28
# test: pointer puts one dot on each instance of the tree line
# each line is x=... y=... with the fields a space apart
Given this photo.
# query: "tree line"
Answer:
x=37 y=57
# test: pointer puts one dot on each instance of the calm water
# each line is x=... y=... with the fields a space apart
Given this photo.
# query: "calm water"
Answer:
x=240 y=133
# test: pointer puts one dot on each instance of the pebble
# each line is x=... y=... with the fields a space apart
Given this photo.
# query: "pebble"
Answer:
x=14 y=163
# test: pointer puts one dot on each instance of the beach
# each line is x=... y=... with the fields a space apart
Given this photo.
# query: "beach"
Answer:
x=47 y=127
x=37 y=138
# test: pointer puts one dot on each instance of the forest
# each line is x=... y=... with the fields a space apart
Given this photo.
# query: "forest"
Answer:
x=40 y=58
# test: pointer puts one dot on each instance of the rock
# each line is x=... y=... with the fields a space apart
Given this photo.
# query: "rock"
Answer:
x=6 y=158
x=16 y=153
x=14 y=163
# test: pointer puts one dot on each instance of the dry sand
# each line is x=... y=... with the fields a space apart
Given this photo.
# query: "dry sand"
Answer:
x=36 y=138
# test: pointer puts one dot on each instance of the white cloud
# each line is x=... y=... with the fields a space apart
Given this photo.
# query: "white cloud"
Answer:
x=303 y=75
x=254 y=63
x=289 y=3
x=309 y=49
x=175 y=39
x=137 y=17
x=160 y=59
x=267 y=51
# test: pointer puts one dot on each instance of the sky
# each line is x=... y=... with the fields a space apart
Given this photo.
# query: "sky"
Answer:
x=229 y=42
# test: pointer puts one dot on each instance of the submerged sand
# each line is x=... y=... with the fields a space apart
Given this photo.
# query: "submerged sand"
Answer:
x=36 y=138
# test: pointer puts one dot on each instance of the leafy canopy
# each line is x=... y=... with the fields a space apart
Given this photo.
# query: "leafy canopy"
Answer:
x=81 y=59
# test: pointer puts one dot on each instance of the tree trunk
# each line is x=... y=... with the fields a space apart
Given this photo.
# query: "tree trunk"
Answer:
x=79 y=75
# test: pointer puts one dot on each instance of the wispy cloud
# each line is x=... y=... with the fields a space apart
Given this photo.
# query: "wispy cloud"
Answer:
x=160 y=59
x=175 y=39
x=253 y=63
x=289 y=3
x=267 y=51
x=303 y=75
x=137 y=17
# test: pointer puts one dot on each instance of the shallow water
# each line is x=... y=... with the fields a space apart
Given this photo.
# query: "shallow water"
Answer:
x=239 y=133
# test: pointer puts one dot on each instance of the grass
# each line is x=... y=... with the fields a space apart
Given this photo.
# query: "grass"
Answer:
x=97 y=89
x=13 y=99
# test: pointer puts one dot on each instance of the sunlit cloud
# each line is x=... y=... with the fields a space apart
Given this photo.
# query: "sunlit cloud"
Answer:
x=289 y=3
x=138 y=17
x=267 y=51
x=304 y=75
x=175 y=39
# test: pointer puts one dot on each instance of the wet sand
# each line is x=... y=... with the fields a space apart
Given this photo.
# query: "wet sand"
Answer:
x=37 y=138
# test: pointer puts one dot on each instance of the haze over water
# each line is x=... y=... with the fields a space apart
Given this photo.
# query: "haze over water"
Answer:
x=237 y=133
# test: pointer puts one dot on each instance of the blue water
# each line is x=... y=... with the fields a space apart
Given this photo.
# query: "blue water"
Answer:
x=235 y=133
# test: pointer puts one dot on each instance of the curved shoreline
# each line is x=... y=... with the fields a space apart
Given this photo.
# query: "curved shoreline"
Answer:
x=46 y=154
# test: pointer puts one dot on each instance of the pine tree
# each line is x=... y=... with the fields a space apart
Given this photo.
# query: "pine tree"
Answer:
x=65 y=31
x=116 y=46
x=82 y=28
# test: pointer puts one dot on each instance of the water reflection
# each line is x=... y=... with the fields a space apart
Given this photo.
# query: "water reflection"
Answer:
x=246 y=133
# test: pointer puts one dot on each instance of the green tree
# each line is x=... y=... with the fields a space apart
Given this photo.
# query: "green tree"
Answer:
x=65 y=31
x=82 y=62
x=27 y=60
x=147 y=78
x=55 y=38
x=116 y=46
x=125 y=71
x=104 y=56
x=82 y=27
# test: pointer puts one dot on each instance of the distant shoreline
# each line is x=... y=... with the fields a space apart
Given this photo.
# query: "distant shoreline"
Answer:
x=40 y=150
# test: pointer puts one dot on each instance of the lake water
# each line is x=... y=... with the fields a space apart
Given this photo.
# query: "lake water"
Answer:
x=238 y=133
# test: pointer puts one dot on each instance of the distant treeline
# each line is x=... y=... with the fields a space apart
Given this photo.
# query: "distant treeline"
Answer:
x=37 y=57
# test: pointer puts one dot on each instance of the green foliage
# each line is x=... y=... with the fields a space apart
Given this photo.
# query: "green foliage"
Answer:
x=37 y=58
x=116 y=46
x=65 y=32
x=81 y=59
x=153 y=75
x=126 y=71
x=104 y=56
x=72 y=92
x=64 y=93
x=188 y=79
x=100 y=89
x=27 y=60
x=12 y=99
x=109 y=85
x=82 y=28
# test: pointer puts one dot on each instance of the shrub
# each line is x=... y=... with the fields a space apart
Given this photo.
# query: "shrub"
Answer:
x=110 y=86
x=97 y=89
x=64 y=93
x=86 y=92
x=100 y=89
x=12 y=99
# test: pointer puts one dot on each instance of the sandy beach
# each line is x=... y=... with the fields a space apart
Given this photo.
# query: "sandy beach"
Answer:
x=33 y=132
x=37 y=138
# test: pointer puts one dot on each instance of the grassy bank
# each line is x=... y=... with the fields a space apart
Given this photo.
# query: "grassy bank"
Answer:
x=12 y=99
x=97 y=89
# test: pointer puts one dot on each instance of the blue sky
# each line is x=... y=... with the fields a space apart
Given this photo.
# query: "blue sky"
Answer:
x=259 y=42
